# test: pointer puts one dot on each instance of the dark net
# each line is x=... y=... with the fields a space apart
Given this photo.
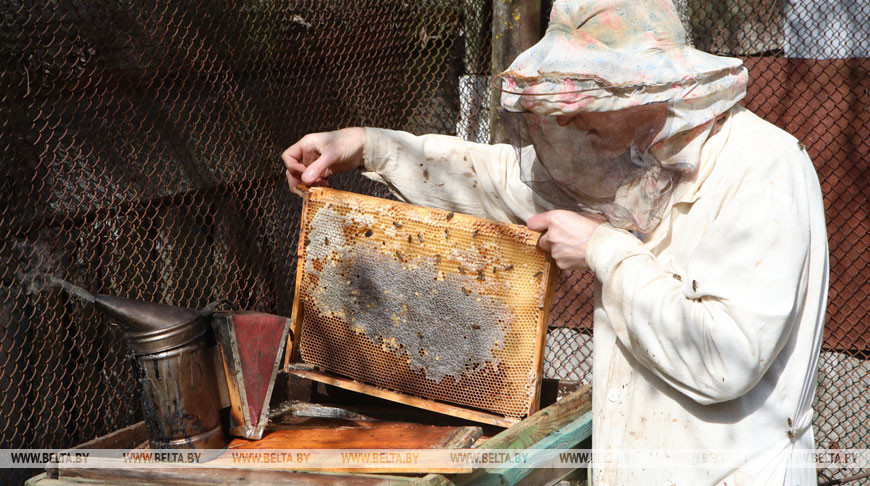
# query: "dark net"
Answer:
x=140 y=142
x=140 y=145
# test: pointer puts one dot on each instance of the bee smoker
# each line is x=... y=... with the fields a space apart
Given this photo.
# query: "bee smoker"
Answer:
x=179 y=395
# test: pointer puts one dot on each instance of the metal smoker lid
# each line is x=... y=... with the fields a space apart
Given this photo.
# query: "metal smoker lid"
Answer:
x=152 y=327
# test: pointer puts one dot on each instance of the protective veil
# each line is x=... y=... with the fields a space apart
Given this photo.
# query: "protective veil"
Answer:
x=614 y=56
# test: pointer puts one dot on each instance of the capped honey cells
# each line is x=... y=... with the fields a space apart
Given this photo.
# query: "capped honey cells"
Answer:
x=390 y=301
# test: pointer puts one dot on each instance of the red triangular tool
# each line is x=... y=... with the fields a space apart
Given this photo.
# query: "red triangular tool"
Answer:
x=252 y=344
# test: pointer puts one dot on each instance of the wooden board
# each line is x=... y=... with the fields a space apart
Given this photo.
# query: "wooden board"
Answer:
x=220 y=477
x=562 y=425
x=314 y=434
x=453 y=410
x=127 y=438
x=364 y=435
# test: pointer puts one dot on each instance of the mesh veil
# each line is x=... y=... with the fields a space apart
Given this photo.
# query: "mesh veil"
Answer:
x=562 y=166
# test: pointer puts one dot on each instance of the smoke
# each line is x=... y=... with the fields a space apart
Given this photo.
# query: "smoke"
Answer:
x=43 y=271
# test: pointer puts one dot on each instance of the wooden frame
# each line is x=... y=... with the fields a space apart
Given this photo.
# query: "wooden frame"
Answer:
x=297 y=317
x=453 y=410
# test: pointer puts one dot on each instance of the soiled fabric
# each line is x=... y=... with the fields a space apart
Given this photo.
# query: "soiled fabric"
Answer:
x=609 y=55
x=707 y=331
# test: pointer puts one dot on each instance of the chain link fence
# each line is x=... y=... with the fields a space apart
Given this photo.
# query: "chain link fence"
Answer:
x=140 y=142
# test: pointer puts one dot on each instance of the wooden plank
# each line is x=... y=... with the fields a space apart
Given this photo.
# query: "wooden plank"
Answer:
x=541 y=338
x=291 y=354
x=544 y=422
x=44 y=480
x=364 y=435
x=559 y=426
x=327 y=435
x=434 y=480
x=126 y=438
x=203 y=477
x=566 y=438
x=444 y=408
x=463 y=437
x=289 y=411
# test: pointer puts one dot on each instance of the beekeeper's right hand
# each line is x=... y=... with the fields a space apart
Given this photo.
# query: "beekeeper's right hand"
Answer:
x=317 y=156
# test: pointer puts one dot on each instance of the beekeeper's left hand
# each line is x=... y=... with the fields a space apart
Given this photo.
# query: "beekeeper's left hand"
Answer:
x=566 y=235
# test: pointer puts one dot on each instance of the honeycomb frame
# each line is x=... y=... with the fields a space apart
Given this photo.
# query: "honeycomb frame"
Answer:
x=492 y=352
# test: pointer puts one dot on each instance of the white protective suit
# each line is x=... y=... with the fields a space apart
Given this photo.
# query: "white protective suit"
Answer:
x=707 y=333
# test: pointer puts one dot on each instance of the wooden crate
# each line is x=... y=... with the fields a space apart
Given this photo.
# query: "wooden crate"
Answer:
x=561 y=425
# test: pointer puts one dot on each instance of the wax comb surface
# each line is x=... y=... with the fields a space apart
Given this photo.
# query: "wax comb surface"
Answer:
x=421 y=301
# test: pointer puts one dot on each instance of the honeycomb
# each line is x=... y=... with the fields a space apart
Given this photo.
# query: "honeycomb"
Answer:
x=421 y=301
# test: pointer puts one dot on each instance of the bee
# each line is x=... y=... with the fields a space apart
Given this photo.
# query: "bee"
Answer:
x=694 y=285
x=326 y=241
x=539 y=273
x=446 y=235
x=397 y=224
x=419 y=238
x=474 y=233
x=409 y=238
x=480 y=275
x=399 y=256
x=461 y=270
x=450 y=215
x=368 y=233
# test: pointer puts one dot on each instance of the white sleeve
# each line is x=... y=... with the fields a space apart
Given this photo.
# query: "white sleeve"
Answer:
x=713 y=333
x=449 y=173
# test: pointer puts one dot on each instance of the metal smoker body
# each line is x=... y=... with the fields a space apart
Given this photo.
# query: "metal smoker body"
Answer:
x=176 y=372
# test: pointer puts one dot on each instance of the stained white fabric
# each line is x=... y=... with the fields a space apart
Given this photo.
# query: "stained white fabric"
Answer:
x=707 y=333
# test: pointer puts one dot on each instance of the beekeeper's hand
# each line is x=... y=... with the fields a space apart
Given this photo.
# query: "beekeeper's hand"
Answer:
x=566 y=236
x=317 y=156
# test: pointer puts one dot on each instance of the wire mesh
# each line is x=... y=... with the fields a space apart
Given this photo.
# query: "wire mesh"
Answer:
x=139 y=143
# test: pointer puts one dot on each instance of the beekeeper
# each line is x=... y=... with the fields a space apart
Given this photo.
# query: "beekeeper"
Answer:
x=702 y=223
